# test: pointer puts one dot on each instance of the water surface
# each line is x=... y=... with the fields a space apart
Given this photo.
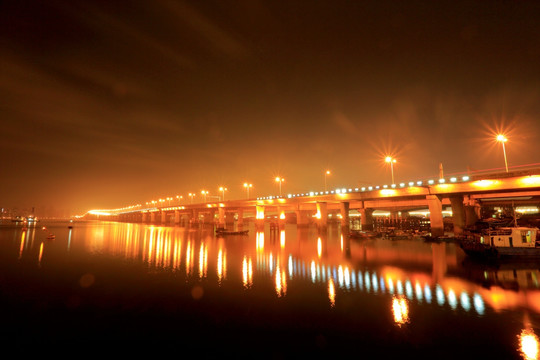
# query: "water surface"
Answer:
x=130 y=289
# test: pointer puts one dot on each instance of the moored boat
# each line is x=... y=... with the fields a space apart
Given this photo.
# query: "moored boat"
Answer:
x=364 y=234
x=396 y=234
x=503 y=243
x=221 y=231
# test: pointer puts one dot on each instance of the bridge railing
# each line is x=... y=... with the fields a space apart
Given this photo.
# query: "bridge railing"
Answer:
x=471 y=175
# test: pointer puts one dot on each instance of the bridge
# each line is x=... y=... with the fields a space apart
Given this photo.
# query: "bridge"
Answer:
x=465 y=194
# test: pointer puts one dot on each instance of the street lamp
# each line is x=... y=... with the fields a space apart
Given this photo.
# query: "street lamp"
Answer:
x=191 y=195
x=247 y=186
x=502 y=139
x=326 y=173
x=391 y=161
x=179 y=198
x=204 y=192
x=223 y=189
x=280 y=180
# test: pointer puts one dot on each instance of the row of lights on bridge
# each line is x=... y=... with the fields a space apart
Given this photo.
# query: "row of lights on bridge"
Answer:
x=368 y=188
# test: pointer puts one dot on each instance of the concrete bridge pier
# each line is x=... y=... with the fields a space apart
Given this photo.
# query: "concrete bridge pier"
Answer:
x=221 y=217
x=366 y=218
x=163 y=217
x=194 y=218
x=344 y=211
x=394 y=218
x=281 y=218
x=259 y=217
x=176 y=217
x=240 y=221
x=302 y=219
x=322 y=215
x=472 y=211
x=213 y=219
x=145 y=217
x=458 y=214
x=435 y=215
x=153 y=217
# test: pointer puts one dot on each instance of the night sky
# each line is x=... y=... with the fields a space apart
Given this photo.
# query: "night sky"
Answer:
x=105 y=104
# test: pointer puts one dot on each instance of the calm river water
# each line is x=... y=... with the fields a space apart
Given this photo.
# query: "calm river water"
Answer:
x=125 y=289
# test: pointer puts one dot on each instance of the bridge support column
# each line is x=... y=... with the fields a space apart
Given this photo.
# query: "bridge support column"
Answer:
x=435 y=215
x=458 y=214
x=322 y=214
x=472 y=211
x=153 y=217
x=259 y=217
x=221 y=217
x=240 y=221
x=163 y=217
x=194 y=217
x=394 y=218
x=366 y=218
x=281 y=217
x=145 y=217
x=344 y=211
x=302 y=218
x=177 y=217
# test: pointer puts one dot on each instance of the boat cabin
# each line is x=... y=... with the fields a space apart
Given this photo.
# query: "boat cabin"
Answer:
x=524 y=237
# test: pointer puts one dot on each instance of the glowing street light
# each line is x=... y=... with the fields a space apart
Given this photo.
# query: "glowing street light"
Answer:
x=391 y=161
x=204 y=192
x=280 y=180
x=326 y=173
x=223 y=189
x=179 y=198
x=191 y=195
x=247 y=186
x=502 y=139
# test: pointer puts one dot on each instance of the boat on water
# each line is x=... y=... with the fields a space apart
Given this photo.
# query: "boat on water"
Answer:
x=395 y=234
x=364 y=234
x=504 y=243
x=442 y=238
x=221 y=231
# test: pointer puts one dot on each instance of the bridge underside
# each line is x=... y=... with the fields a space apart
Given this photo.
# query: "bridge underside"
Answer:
x=466 y=208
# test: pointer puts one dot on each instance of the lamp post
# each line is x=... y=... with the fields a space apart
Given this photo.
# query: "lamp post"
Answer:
x=191 y=195
x=326 y=173
x=247 y=186
x=391 y=161
x=280 y=180
x=179 y=198
x=502 y=139
x=223 y=189
x=204 y=192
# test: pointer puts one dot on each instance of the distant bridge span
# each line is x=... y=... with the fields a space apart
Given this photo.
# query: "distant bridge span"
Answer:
x=466 y=196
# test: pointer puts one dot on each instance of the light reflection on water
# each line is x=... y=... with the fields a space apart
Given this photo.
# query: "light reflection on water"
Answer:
x=408 y=273
x=177 y=248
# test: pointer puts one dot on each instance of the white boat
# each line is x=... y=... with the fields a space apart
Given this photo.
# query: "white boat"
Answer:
x=504 y=243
